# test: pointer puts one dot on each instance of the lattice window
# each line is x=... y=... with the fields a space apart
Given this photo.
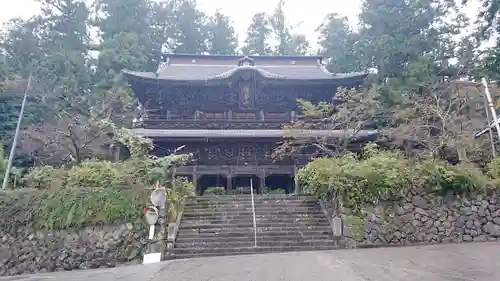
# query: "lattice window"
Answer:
x=228 y=152
x=213 y=153
x=261 y=150
x=245 y=151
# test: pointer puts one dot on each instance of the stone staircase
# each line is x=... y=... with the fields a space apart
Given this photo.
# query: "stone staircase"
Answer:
x=223 y=225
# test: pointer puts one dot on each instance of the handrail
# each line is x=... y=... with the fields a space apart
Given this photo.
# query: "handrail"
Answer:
x=254 y=219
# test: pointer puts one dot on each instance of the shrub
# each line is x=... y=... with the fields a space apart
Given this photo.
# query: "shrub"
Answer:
x=374 y=177
x=66 y=208
x=45 y=177
x=81 y=206
x=95 y=174
x=176 y=195
x=494 y=169
x=443 y=178
x=356 y=227
x=274 y=191
x=217 y=190
x=97 y=192
x=382 y=175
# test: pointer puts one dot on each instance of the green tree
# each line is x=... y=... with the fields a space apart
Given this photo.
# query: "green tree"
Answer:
x=298 y=46
x=222 y=39
x=117 y=16
x=339 y=43
x=258 y=34
x=64 y=24
x=488 y=17
x=20 y=46
x=124 y=51
x=288 y=42
x=488 y=27
x=190 y=32
x=145 y=22
x=280 y=29
x=396 y=34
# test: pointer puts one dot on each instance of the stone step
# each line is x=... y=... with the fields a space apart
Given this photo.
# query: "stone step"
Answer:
x=197 y=252
x=250 y=243
x=249 y=197
x=223 y=225
x=249 y=232
x=262 y=210
x=256 y=202
x=243 y=216
x=293 y=236
x=297 y=232
x=249 y=205
x=249 y=220
x=209 y=214
x=260 y=224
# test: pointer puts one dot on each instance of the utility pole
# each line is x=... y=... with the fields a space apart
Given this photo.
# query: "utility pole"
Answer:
x=16 y=136
x=490 y=133
x=490 y=105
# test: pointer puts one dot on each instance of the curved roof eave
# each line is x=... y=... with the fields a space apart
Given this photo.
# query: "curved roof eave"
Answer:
x=152 y=77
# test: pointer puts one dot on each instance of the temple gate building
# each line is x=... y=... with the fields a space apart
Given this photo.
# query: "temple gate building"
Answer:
x=229 y=111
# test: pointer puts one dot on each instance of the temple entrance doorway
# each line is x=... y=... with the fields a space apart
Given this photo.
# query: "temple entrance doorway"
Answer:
x=278 y=183
x=241 y=184
x=210 y=181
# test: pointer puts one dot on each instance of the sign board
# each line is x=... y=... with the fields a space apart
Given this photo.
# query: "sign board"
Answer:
x=151 y=258
x=337 y=227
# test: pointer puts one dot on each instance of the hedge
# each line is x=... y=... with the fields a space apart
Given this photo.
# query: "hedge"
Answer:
x=68 y=208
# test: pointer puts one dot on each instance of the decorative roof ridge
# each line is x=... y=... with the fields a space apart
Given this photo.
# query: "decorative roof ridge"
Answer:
x=133 y=72
x=334 y=74
x=170 y=54
x=161 y=67
x=231 y=72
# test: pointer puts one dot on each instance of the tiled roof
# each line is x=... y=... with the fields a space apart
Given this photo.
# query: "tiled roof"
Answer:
x=196 y=72
x=249 y=133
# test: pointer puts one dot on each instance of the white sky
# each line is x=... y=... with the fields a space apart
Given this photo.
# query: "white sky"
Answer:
x=309 y=13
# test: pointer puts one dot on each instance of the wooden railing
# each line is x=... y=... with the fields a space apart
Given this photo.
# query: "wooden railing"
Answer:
x=211 y=124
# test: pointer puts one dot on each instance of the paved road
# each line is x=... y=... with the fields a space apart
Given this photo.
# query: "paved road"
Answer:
x=459 y=262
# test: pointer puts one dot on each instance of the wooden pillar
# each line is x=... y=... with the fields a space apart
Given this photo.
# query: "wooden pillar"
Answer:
x=262 y=184
x=297 y=187
x=195 y=182
x=229 y=184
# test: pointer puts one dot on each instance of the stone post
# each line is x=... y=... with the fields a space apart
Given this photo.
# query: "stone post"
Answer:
x=158 y=245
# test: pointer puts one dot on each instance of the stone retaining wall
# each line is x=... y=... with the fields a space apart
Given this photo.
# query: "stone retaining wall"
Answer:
x=30 y=251
x=429 y=219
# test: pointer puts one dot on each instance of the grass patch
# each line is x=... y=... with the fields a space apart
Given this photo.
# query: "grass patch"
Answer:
x=356 y=227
